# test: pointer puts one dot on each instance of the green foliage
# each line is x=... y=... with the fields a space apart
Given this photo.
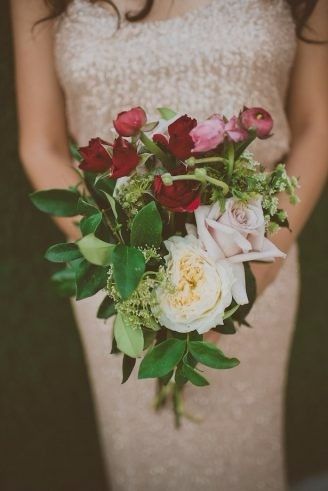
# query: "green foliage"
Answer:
x=129 y=339
x=96 y=251
x=63 y=282
x=62 y=253
x=90 y=224
x=57 y=202
x=127 y=367
x=208 y=354
x=89 y=278
x=106 y=308
x=128 y=268
x=166 y=113
x=161 y=359
x=192 y=375
x=131 y=195
x=227 y=327
x=147 y=227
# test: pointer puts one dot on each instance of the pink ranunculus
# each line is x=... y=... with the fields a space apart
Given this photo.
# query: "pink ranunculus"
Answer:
x=129 y=123
x=237 y=234
x=235 y=131
x=257 y=119
x=208 y=134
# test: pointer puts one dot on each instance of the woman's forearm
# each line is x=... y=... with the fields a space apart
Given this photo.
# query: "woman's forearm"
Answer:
x=308 y=160
x=49 y=169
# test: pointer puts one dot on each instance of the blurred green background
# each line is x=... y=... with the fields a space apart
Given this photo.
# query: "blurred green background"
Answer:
x=48 y=437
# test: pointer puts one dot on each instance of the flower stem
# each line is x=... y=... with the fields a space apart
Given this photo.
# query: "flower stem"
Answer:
x=203 y=179
x=111 y=227
x=153 y=148
x=230 y=159
x=204 y=160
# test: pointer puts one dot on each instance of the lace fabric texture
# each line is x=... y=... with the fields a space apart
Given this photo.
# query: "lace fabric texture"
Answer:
x=215 y=58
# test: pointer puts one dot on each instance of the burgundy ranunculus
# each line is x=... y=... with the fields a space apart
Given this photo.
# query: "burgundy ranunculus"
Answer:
x=258 y=119
x=180 y=196
x=179 y=143
x=125 y=158
x=95 y=156
x=129 y=123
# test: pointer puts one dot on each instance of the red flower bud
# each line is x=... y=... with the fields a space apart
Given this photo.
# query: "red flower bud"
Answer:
x=258 y=119
x=129 y=123
x=180 y=143
x=95 y=156
x=125 y=158
x=181 y=196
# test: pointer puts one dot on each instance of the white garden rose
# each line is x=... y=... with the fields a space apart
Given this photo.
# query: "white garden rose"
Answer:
x=237 y=234
x=202 y=288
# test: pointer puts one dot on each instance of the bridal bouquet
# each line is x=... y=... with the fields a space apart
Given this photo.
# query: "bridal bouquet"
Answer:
x=172 y=212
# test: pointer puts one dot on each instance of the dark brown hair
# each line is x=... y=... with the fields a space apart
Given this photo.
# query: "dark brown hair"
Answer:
x=301 y=11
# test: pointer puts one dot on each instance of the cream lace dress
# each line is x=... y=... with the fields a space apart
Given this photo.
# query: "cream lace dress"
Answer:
x=213 y=59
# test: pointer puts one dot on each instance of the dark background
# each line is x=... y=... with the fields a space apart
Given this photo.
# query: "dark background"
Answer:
x=48 y=437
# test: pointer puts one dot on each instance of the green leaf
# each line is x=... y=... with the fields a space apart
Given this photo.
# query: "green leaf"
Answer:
x=57 y=202
x=105 y=184
x=149 y=337
x=96 y=251
x=112 y=203
x=192 y=375
x=128 y=268
x=208 y=354
x=106 y=308
x=86 y=208
x=147 y=227
x=244 y=310
x=89 y=225
x=129 y=340
x=166 y=113
x=150 y=126
x=89 y=278
x=127 y=367
x=62 y=253
x=63 y=282
x=227 y=328
x=114 y=350
x=161 y=359
x=74 y=150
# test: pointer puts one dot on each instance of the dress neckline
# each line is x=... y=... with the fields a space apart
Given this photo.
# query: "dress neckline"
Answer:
x=159 y=22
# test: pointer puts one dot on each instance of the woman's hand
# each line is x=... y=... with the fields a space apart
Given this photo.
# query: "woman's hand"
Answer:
x=265 y=273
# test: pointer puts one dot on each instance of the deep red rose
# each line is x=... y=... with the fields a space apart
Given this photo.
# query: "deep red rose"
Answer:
x=129 y=123
x=125 y=158
x=180 y=196
x=180 y=143
x=182 y=126
x=95 y=156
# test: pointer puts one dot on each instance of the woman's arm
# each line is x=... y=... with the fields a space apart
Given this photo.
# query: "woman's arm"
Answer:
x=43 y=138
x=308 y=116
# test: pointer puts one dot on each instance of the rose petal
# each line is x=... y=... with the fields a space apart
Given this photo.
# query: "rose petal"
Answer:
x=207 y=240
x=239 y=292
x=268 y=253
x=230 y=240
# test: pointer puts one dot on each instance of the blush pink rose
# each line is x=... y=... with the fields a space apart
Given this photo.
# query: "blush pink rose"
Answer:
x=237 y=234
x=208 y=134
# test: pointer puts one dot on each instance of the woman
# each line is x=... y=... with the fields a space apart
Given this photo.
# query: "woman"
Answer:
x=74 y=73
